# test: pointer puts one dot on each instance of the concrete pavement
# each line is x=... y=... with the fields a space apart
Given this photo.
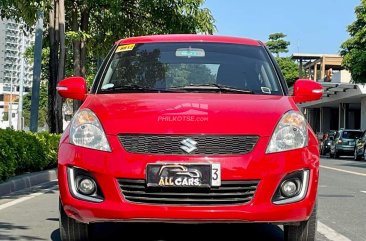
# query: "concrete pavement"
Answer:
x=342 y=195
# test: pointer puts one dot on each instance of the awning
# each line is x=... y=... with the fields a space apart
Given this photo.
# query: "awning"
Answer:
x=336 y=93
x=334 y=88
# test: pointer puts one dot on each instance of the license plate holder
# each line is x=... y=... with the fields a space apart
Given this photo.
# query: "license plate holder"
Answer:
x=183 y=175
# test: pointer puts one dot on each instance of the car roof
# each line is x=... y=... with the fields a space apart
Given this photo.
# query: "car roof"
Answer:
x=189 y=38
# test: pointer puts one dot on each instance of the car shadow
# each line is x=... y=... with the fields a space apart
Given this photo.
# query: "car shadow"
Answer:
x=345 y=158
x=177 y=232
x=180 y=232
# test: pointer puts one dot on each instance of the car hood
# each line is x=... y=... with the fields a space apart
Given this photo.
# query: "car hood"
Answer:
x=189 y=113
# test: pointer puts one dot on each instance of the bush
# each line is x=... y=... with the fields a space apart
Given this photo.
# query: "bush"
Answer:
x=22 y=152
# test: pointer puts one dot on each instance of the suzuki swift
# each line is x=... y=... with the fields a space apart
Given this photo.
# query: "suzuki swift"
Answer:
x=192 y=129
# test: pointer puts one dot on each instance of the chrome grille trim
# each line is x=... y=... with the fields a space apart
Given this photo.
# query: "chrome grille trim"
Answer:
x=230 y=192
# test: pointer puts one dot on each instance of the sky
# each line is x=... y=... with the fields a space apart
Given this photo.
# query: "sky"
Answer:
x=311 y=26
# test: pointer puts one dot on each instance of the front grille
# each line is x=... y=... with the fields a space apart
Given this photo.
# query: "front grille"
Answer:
x=171 y=144
x=230 y=192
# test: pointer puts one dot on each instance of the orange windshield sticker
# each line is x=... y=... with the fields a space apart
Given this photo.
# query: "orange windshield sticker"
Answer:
x=123 y=48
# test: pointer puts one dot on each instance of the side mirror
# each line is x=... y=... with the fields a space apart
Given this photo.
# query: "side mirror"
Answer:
x=307 y=90
x=72 y=88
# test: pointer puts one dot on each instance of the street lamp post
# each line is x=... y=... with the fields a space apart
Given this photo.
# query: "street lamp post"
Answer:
x=10 y=111
x=21 y=85
x=36 y=72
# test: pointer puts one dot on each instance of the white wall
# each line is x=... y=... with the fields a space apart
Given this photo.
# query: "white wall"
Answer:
x=342 y=76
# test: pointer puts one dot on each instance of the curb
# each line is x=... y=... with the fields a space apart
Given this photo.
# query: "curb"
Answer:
x=27 y=181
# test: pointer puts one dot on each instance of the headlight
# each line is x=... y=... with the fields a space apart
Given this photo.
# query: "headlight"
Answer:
x=86 y=131
x=291 y=133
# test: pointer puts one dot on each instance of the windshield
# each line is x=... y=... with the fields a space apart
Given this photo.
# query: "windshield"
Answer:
x=351 y=134
x=190 y=67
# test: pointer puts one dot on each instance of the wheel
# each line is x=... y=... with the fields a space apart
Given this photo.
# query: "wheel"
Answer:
x=356 y=156
x=336 y=154
x=331 y=155
x=322 y=151
x=70 y=229
x=306 y=231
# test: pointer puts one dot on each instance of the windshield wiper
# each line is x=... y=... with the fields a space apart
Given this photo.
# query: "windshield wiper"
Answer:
x=132 y=88
x=212 y=87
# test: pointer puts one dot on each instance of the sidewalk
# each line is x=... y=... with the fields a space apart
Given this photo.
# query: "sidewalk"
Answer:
x=29 y=180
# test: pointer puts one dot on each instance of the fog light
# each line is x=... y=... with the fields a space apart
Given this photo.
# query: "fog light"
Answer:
x=86 y=186
x=290 y=188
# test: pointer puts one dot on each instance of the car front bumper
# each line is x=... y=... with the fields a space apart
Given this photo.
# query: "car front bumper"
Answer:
x=269 y=169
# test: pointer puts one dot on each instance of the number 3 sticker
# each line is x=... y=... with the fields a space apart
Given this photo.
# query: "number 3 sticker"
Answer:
x=215 y=175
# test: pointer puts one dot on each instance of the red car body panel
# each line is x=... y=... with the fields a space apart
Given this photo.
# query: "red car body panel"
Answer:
x=189 y=113
x=188 y=38
x=130 y=113
x=215 y=113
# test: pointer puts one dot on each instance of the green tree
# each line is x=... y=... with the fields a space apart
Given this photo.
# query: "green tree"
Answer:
x=5 y=116
x=44 y=63
x=289 y=68
x=185 y=74
x=95 y=24
x=91 y=26
x=25 y=10
x=43 y=100
x=354 y=49
x=276 y=43
x=43 y=94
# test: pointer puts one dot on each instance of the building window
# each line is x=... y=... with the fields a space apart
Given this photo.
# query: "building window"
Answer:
x=5 y=116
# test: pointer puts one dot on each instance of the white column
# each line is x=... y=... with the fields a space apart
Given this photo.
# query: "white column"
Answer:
x=363 y=113
x=321 y=120
x=341 y=116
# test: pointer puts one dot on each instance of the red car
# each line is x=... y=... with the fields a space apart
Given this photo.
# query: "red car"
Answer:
x=188 y=128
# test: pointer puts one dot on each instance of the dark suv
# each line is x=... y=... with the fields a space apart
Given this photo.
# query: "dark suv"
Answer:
x=344 y=142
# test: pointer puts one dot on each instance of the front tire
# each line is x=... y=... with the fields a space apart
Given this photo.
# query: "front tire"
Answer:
x=336 y=154
x=70 y=229
x=306 y=231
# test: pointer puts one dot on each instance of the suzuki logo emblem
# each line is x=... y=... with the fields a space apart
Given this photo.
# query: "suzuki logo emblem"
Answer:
x=188 y=145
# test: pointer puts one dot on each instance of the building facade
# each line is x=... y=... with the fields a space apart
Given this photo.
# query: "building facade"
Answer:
x=343 y=104
x=13 y=68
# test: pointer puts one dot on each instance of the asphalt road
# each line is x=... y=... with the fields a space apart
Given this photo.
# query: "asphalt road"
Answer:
x=342 y=216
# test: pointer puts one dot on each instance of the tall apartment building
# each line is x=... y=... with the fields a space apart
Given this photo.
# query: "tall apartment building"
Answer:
x=12 y=42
